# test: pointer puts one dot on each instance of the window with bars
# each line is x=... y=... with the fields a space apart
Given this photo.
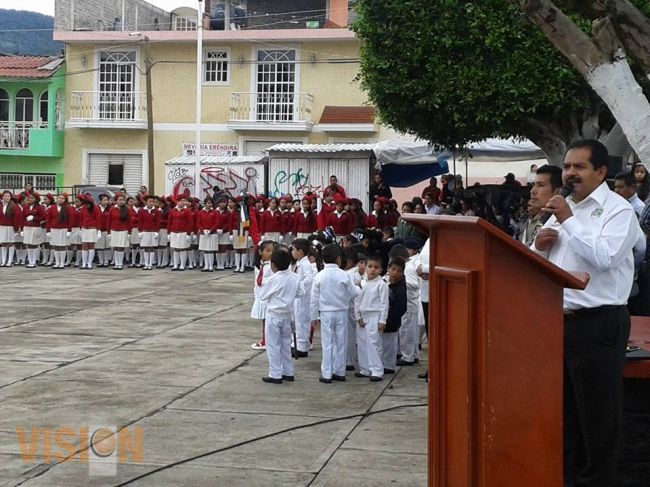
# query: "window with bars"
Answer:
x=216 y=67
x=16 y=182
x=276 y=85
x=117 y=95
x=185 y=23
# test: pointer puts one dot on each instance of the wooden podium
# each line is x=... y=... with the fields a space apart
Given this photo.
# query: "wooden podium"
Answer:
x=495 y=357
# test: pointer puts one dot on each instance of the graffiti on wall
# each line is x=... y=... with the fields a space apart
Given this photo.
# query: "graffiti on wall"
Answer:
x=232 y=179
x=298 y=182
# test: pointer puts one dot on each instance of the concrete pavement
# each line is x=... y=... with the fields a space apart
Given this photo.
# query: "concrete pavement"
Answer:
x=168 y=355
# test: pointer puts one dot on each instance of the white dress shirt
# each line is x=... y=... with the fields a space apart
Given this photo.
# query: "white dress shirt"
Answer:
x=424 y=268
x=597 y=239
x=373 y=298
x=279 y=292
x=331 y=290
x=305 y=271
x=412 y=283
x=432 y=210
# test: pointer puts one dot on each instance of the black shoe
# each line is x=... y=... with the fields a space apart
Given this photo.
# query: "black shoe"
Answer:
x=339 y=378
x=359 y=374
x=288 y=378
x=349 y=367
x=271 y=380
x=300 y=354
x=324 y=380
x=388 y=371
x=374 y=378
x=423 y=375
x=404 y=362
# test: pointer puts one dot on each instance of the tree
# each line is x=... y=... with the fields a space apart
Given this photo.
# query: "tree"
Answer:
x=602 y=59
x=456 y=72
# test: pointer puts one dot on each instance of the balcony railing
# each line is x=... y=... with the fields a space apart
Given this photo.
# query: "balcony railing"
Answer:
x=269 y=111
x=15 y=135
x=103 y=109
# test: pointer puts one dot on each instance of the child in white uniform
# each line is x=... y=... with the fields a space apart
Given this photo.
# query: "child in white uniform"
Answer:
x=408 y=332
x=262 y=274
x=304 y=270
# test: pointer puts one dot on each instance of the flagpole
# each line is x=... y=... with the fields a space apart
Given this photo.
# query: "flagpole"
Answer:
x=199 y=75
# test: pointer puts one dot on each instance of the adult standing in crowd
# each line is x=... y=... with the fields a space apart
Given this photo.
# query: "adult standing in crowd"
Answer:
x=548 y=182
x=434 y=190
x=334 y=188
x=625 y=186
x=378 y=188
x=594 y=230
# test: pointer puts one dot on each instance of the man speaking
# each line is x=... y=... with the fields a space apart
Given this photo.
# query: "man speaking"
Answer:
x=593 y=230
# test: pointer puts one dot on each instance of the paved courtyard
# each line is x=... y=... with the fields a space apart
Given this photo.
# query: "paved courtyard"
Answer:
x=168 y=355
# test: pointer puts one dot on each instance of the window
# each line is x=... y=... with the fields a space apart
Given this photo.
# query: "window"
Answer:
x=185 y=23
x=24 y=106
x=217 y=67
x=117 y=95
x=116 y=174
x=124 y=170
x=4 y=106
x=43 y=108
x=276 y=85
x=40 y=182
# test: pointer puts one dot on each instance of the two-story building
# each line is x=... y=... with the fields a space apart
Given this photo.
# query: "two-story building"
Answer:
x=276 y=72
x=32 y=91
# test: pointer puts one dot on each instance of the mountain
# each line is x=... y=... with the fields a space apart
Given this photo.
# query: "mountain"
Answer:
x=21 y=41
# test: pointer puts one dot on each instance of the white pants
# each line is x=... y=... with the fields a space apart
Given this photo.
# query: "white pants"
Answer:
x=369 y=346
x=389 y=350
x=408 y=336
x=303 y=323
x=333 y=337
x=277 y=336
x=351 y=349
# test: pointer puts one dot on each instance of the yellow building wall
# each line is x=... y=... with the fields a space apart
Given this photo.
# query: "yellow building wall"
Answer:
x=174 y=99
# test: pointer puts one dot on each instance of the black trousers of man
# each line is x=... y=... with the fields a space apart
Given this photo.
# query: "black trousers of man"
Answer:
x=594 y=356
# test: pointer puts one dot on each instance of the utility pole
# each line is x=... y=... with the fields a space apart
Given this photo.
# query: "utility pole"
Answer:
x=150 y=142
x=226 y=15
x=199 y=75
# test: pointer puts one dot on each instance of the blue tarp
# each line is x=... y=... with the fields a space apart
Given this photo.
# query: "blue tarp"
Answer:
x=401 y=176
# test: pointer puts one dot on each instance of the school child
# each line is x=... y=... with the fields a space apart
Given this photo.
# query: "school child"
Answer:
x=287 y=219
x=331 y=293
x=356 y=270
x=19 y=244
x=371 y=312
x=149 y=228
x=134 y=235
x=262 y=274
x=33 y=227
x=224 y=215
x=74 y=241
x=241 y=239
x=272 y=222
x=179 y=227
x=102 y=243
x=47 y=257
x=304 y=221
x=194 y=245
x=339 y=219
x=207 y=222
x=119 y=227
x=408 y=332
x=163 y=235
x=58 y=225
x=279 y=294
x=10 y=225
x=396 y=308
x=377 y=218
x=91 y=223
x=299 y=251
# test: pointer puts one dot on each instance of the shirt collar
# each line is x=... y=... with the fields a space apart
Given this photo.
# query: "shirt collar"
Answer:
x=599 y=195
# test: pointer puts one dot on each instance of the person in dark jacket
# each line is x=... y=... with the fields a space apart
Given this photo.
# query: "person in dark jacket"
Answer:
x=378 y=188
x=396 y=309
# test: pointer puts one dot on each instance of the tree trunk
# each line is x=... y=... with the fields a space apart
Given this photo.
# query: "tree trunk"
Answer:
x=602 y=63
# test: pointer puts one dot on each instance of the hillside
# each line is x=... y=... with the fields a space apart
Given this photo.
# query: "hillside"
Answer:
x=34 y=42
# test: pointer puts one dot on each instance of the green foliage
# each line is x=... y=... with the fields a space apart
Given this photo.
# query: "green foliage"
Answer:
x=643 y=6
x=23 y=42
x=454 y=72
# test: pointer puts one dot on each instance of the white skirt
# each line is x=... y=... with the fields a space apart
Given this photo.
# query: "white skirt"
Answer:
x=135 y=237
x=102 y=243
x=89 y=235
x=18 y=238
x=58 y=237
x=7 y=234
x=163 y=238
x=75 y=236
x=224 y=238
x=34 y=235
x=179 y=240
x=274 y=236
x=258 y=311
x=208 y=243
x=118 y=239
x=240 y=242
x=148 y=239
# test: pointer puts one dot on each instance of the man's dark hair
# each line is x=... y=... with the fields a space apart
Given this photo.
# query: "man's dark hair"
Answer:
x=554 y=174
x=330 y=253
x=627 y=177
x=599 y=155
x=281 y=259
x=397 y=262
x=409 y=204
x=399 y=251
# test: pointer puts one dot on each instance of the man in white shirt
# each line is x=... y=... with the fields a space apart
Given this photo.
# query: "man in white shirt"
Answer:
x=625 y=186
x=429 y=204
x=594 y=230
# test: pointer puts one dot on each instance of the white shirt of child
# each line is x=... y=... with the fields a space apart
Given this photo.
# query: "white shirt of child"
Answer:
x=373 y=298
x=332 y=290
x=279 y=293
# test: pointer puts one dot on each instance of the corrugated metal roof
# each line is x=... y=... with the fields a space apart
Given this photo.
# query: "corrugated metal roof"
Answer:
x=321 y=148
x=209 y=160
x=32 y=67
x=334 y=114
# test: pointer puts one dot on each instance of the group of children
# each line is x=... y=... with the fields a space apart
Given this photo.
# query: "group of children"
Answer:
x=368 y=307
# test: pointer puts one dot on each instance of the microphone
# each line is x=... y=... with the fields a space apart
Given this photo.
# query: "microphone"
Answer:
x=566 y=190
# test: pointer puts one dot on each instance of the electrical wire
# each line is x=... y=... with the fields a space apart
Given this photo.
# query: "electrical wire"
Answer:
x=270 y=435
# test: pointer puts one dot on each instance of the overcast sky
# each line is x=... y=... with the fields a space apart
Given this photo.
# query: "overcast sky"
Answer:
x=47 y=6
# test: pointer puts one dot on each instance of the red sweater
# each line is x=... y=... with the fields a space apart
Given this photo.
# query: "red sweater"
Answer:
x=223 y=220
x=52 y=218
x=180 y=221
x=38 y=212
x=287 y=221
x=105 y=213
x=272 y=221
x=149 y=221
x=207 y=220
x=14 y=220
x=92 y=218
x=117 y=225
x=340 y=223
x=304 y=223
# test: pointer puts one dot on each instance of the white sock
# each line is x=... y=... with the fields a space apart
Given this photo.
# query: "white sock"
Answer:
x=62 y=256
x=177 y=258
x=141 y=252
x=133 y=254
x=46 y=256
x=183 y=257
x=244 y=260
x=10 y=255
x=206 y=261
x=84 y=258
x=237 y=261
x=211 y=257
x=91 y=257
x=20 y=256
x=3 y=255
x=159 y=254
x=78 y=258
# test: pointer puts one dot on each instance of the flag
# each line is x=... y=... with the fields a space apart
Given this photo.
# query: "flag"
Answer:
x=251 y=219
x=321 y=214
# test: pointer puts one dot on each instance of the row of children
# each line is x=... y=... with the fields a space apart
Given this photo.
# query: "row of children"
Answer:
x=371 y=320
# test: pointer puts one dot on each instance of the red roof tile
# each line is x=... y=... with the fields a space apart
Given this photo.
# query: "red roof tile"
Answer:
x=28 y=66
x=333 y=114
